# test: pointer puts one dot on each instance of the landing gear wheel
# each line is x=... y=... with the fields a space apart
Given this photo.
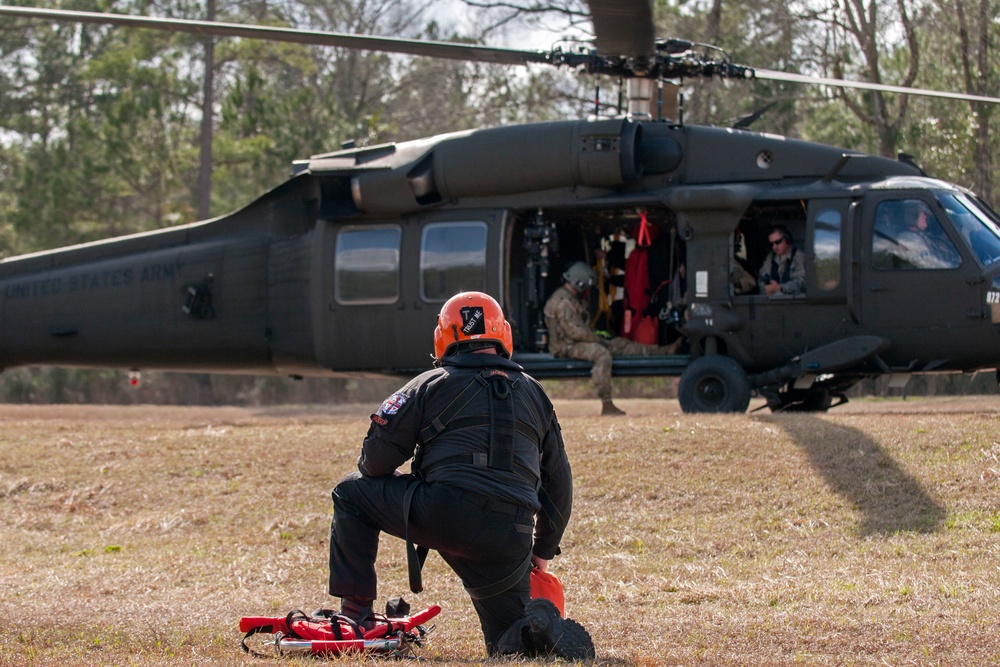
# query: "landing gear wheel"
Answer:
x=714 y=384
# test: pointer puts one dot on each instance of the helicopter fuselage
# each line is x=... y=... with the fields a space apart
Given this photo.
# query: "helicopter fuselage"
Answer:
x=343 y=268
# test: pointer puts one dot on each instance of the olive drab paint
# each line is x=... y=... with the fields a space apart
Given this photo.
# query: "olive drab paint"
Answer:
x=341 y=268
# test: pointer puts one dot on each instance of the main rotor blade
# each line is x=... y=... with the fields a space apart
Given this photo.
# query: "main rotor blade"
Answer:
x=623 y=27
x=452 y=50
x=863 y=85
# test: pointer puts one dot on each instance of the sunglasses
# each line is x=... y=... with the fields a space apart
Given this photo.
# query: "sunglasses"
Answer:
x=778 y=242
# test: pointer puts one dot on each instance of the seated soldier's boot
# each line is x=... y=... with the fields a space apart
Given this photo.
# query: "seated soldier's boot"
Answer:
x=555 y=636
x=609 y=409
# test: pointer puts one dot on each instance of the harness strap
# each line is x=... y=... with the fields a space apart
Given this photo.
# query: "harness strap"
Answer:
x=521 y=426
x=267 y=629
x=478 y=460
x=292 y=616
x=501 y=425
x=535 y=435
x=782 y=276
x=415 y=556
x=335 y=626
x=439 y=423
x=498 y=587
x=359 y=633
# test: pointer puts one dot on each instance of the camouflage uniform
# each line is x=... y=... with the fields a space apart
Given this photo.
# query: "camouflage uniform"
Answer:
x=742 y=280
x=787 y=270
x=568 y=321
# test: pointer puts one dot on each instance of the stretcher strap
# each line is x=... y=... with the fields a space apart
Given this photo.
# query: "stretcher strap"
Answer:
x=498 y=587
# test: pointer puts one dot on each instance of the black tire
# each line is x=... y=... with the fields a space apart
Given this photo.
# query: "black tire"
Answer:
x=714 y=384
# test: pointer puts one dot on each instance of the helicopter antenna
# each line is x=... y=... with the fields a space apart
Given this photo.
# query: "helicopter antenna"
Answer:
x=745 y=122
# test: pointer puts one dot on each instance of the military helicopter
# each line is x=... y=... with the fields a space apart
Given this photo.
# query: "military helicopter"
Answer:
x=330 y=272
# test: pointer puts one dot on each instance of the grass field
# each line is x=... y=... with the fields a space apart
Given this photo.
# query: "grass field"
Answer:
x=867 y=536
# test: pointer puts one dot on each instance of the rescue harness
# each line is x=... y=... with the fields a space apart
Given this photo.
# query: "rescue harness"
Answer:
x=503 y=425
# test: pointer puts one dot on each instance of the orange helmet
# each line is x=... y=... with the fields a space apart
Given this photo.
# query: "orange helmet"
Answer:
x=468 y=317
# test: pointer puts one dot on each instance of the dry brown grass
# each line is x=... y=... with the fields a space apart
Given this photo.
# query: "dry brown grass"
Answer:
x=869 y=536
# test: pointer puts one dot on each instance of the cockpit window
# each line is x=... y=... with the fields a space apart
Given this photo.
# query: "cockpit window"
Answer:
x=908 y=236
x=977 y=224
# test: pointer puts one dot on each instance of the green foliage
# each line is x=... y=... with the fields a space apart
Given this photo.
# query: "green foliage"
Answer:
x=98 y=116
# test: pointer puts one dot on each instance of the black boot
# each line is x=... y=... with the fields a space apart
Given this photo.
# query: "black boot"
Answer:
x=554 y=636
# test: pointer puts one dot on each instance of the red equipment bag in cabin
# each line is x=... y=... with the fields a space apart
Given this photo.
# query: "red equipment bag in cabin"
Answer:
x=325 y=632
x=639 y=325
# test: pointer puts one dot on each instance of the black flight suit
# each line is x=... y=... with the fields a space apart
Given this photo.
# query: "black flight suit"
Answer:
x=476 y=513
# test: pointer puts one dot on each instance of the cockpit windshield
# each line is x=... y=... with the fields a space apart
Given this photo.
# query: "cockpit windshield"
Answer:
x=976 y=222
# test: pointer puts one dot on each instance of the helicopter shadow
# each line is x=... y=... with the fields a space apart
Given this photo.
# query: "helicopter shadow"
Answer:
x=859 y=470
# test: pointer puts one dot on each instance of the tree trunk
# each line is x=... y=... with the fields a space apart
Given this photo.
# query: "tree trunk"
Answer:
x=207 y=121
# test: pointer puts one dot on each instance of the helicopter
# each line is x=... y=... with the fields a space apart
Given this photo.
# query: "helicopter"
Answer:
x=329 y=273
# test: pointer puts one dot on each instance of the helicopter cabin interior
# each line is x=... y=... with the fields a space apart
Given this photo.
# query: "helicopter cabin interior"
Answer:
x=541 y=245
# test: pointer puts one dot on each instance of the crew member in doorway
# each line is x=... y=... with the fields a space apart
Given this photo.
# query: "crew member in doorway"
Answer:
x=568 y=322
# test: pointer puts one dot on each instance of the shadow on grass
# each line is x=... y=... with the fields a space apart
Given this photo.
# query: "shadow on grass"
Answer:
x=859 y=470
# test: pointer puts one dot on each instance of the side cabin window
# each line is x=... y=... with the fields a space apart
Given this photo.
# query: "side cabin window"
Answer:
x=367 y=264
x=452 y=259
x=826 y=248
x=908 y=236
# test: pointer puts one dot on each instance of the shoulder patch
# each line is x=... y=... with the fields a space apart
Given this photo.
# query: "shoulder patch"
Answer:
x=391 y=405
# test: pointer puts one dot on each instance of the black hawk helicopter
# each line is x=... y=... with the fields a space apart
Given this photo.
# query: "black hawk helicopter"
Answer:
x=328 y=273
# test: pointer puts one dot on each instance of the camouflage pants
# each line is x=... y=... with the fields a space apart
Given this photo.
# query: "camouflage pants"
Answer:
x=600 y=356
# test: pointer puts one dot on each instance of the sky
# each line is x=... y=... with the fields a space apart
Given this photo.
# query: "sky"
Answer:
x=464 y=19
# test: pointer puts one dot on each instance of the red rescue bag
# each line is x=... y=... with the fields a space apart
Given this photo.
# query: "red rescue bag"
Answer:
x=547 y=585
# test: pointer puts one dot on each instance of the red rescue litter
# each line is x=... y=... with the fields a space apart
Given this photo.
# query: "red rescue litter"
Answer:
x=297 y=633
